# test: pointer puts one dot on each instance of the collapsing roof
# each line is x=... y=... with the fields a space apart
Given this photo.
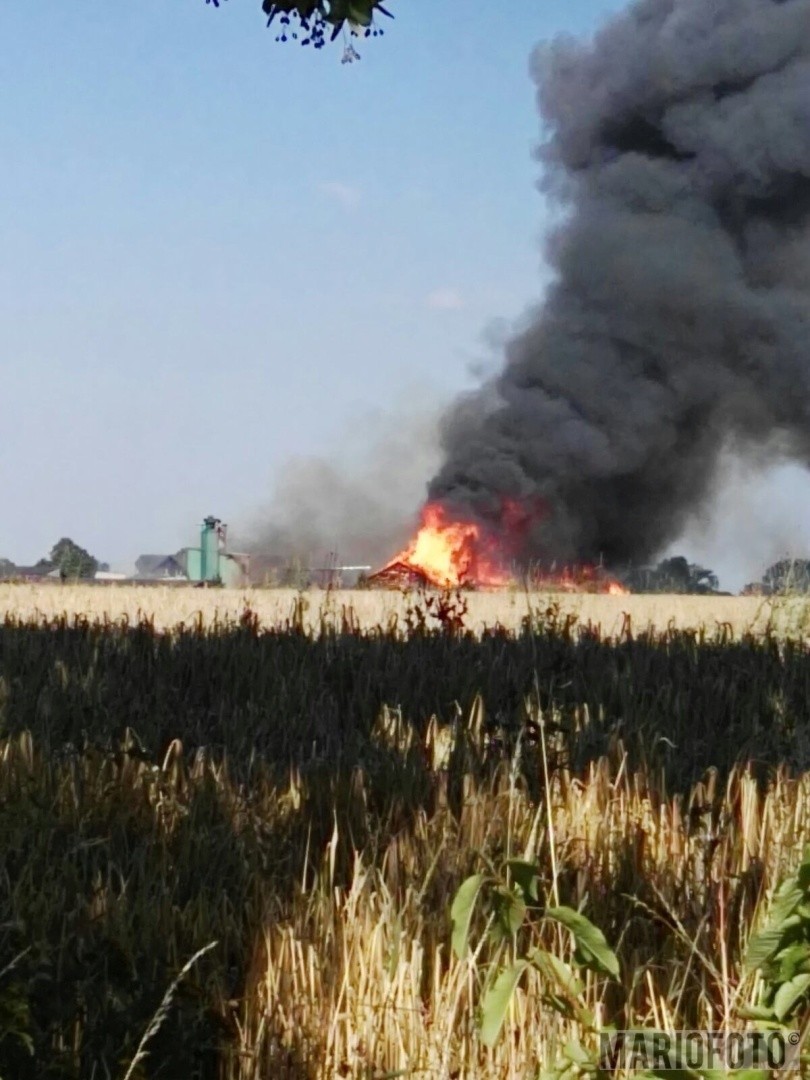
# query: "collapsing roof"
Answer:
x=399 y=575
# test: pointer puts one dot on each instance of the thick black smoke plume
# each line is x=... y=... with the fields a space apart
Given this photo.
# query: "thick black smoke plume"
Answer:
x=679 y=319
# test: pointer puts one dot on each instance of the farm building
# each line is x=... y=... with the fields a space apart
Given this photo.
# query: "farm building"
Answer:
x=159 y=568
x=209 y=563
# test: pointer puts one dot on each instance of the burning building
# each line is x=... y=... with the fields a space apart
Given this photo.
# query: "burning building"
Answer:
x=453 y=551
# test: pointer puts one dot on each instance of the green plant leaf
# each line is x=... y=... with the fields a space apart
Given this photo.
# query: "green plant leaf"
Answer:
x=560 y=1004
x=763 y=946
x=510 y=911
x=496 y=1001
x=740 y=1074
x=786 y=900
x=589 y=939
x=794 y=960
x=556 y=971
x=575 y=1053
x=668 y=1074
x=788 y=994
x=526 y=876
x=560 y=1070
x=803 y=874
x=462 y=912
x=755 y=1012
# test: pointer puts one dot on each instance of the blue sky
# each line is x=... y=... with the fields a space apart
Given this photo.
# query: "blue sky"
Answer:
x=219 y=252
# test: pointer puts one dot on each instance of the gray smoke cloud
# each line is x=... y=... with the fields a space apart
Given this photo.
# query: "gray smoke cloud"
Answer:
x=360 y=504
x=756 y=517
x=678 y=320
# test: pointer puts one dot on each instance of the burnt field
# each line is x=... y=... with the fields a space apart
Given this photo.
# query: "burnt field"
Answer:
x=231 y=848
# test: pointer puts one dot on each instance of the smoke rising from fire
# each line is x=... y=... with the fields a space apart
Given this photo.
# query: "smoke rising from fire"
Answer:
x=358 y=504
x=678 y=322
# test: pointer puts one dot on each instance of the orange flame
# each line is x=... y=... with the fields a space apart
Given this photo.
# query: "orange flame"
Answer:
x=450 y=551
x=579 y=579
x=615 y=589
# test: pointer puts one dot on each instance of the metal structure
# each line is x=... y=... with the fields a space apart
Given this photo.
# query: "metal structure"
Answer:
x=211 y=563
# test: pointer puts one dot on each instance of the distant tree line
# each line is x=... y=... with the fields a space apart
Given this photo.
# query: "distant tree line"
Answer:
x=785 y=576
x=678 y=575
x=72 y=562
x=673 y=575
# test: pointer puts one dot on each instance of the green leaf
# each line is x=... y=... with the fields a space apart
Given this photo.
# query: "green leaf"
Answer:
x=556 y=971
x=560 y=1070
x=496 y=1002
x=794 y=960
x=669 y=1074
x=510 y=911
x=803 y=875
x=740 y=1074
x=564 y=989
x=763 y=946
x=786 y=900
x=755 y=1012
x=559 y=1004
x=589 y=939
x=788 y=994
x=525 y=875
x=574 y=1052
x=462 y=912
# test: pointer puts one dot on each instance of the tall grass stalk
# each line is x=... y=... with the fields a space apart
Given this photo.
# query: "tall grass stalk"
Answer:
x=157 y=1021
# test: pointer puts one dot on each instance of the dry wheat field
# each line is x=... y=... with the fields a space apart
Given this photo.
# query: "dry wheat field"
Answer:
x=260 y=835
x=166 y=606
